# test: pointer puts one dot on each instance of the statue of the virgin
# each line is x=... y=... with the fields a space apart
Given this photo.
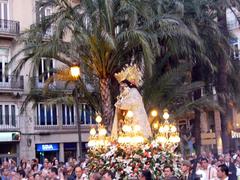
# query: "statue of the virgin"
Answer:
x=130 y=79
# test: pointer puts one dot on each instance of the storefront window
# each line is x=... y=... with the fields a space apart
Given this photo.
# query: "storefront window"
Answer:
x=70 y=150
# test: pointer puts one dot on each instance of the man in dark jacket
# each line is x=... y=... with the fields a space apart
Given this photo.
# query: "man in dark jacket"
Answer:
x=231 y=167
x=186 y=170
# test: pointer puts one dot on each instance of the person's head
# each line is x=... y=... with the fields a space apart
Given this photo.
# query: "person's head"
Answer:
x=168 y=171
x=222 y=171
x=70 y=168
x=30 y=177
x=50 y=165
x=36 y=176
x=227 y=158
x=34 y=167
x=70 y=159
x=22 y=174
x=238 y=159
x=95 y=176
x=126 y=83
x=204 y=163
x=146 y=175
x=108 y=175
x=46 y=160
x=221 y=158
x=78 y=171
x=45 y=165
x=186 y=166
x=53 y=172
x=55 y=162
x=34 y=161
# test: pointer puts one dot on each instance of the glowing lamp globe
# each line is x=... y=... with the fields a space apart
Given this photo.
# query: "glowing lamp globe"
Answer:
x=161 y=129
x=177 y=139
x=93 y=132
x=165 y=115
x=162 y=139
x=139 y=139
x=166 y=128
x=129 y=114
x=75 y=71
x=98 y=119
x=120 y=139
x=102 y=131
x=173 y=129
x=154 y=113
x=91 y=143
x=172 y=139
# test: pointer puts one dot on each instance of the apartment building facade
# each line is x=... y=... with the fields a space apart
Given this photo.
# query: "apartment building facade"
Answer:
x=41 y=130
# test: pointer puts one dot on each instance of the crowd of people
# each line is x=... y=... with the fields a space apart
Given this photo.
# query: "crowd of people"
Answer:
x=205 y=167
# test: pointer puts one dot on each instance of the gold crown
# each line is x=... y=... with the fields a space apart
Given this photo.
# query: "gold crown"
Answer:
x=131 y=73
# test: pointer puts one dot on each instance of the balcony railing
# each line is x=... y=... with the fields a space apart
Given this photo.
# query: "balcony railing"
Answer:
x=11 y=83
x=9 y=27
x=9 y=123
x=39 y=83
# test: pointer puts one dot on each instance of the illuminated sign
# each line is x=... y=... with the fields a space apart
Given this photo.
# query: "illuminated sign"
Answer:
x=235 y=134
x=9 y=136
x=47 y=147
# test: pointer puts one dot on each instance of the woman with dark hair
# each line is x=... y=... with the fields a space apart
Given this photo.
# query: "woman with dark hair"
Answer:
x=130 y=99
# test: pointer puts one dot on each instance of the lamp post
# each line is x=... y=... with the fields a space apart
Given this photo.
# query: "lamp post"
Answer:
x=75 y=72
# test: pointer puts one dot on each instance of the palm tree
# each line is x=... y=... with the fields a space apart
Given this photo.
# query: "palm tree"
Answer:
x=214 y=35
x=102 y=35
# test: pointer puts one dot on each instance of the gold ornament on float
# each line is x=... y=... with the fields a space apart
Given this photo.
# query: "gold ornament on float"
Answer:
x=131 y=73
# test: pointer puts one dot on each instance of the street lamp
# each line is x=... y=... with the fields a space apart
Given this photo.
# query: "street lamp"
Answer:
x=75 y=72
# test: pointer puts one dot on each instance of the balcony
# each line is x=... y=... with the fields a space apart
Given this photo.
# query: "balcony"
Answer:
x=11 y=83
x=9 y=123
x=9 y=29
x=40 y=82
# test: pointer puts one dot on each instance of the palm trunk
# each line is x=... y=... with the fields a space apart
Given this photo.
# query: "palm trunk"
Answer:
x=107 y=109
x=226 y=113
x=196 y=76
x=222 y=89
x=197 y=132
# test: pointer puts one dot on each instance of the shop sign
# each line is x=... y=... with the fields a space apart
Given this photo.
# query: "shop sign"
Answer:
x=208 y=138
x=47 y=147
x=9 y=136
x=235 y=134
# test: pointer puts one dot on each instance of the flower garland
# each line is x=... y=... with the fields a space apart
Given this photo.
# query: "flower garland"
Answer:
x=128 y=162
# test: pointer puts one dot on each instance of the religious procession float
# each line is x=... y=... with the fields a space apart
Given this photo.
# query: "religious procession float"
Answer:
x=133 y=145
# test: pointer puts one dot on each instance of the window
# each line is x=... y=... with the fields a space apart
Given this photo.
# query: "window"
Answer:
x=46 y=114
x=8 y=114
x=4 y=14
x=44 y=70
x=87 y=113
x=41 y=15
x=4 y=55
x=67 y=114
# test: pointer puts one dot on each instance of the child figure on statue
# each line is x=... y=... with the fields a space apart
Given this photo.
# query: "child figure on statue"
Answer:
x=130 y=99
